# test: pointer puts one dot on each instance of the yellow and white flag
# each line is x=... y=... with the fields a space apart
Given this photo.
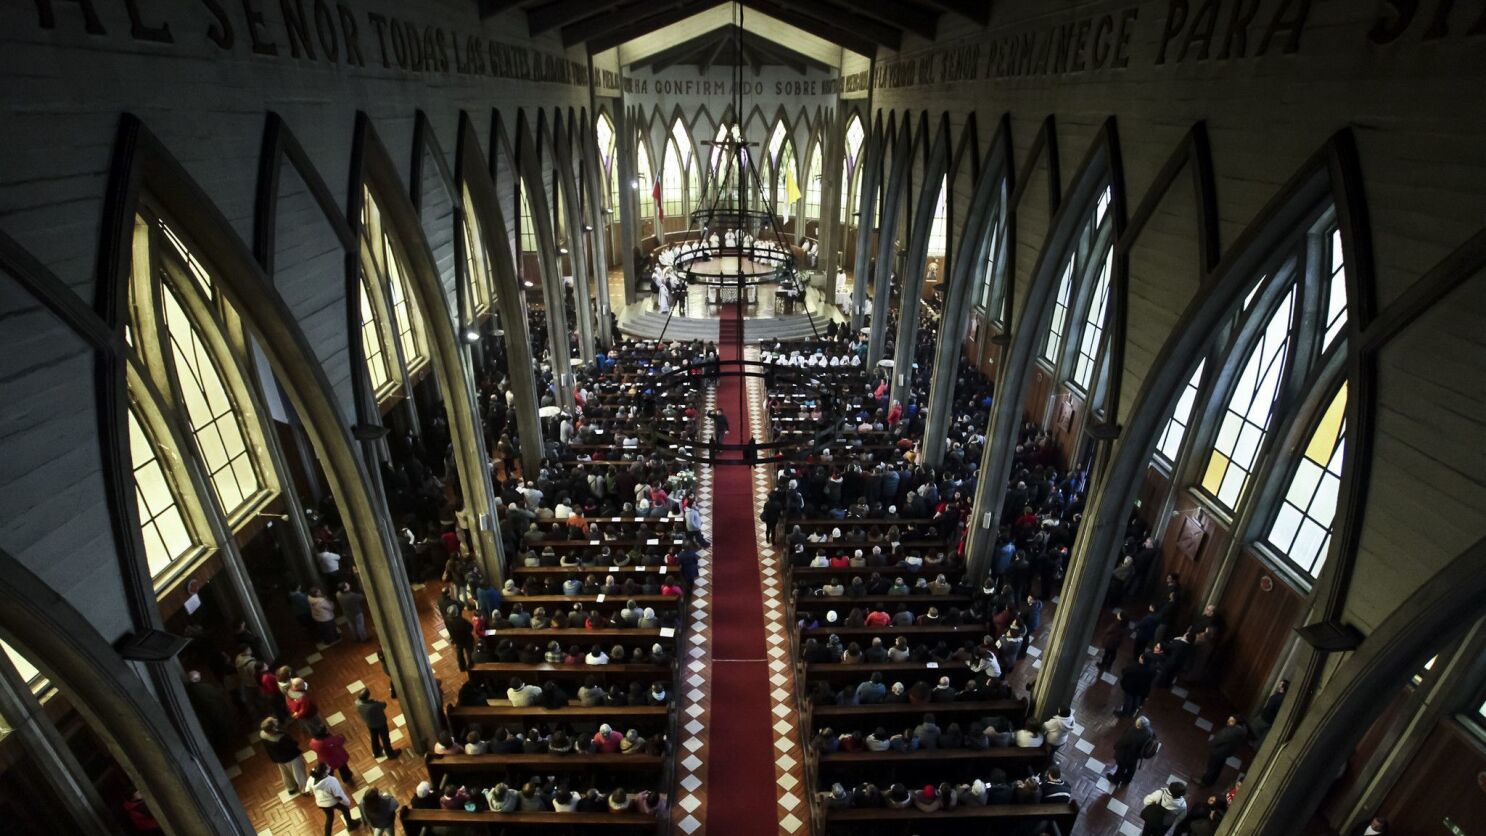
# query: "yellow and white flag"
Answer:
x=792 y=192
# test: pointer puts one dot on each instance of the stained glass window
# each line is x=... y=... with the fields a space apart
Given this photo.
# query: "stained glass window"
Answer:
x=1302 y=527
x=1246 y=417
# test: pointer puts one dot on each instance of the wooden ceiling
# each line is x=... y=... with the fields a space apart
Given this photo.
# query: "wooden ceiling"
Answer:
x=861 y=26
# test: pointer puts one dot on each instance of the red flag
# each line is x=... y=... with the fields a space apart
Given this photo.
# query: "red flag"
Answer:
x=655 y=193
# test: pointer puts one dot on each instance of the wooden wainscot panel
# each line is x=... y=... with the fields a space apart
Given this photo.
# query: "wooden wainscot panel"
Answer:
x=1260 y=610
x=1034 y=408
x=1444 y=789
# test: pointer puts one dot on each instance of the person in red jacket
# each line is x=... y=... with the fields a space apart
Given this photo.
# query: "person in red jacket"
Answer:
x=878 y=618
x=301 y=705
x=268 y=686
x=140 y=817
x=331 y=751
x=606 y=741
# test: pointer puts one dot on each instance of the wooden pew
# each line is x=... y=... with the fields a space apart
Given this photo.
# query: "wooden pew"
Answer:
x=838 y=716
x=906 y=672
x=992 y=818
x=414 y=822
x=504 y=671
x=459 y=767
x=644 y=717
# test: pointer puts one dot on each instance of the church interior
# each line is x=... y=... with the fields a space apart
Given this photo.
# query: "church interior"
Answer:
x=743 y=417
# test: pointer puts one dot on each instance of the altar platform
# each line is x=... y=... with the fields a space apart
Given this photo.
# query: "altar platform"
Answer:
x=766 y=316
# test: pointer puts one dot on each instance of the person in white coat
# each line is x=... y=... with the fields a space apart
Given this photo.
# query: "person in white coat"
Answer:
x=1056 y=730
x=330 y=796
x=1162 y=808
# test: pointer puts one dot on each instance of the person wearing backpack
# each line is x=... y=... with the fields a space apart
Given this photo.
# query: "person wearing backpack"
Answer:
x=1162 y=808
x=1135 y=745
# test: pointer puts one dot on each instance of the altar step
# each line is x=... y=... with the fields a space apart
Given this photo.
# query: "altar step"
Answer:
x=650 y=324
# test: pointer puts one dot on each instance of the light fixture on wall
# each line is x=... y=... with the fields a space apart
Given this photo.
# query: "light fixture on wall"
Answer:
x=471 y=335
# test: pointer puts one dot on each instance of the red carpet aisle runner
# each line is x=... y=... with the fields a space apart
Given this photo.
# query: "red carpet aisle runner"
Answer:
x=740 y=773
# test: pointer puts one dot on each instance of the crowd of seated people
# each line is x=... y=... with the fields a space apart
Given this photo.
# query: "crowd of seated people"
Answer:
x=873 y=541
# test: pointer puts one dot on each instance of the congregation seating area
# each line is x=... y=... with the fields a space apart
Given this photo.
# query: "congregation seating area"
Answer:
x=910 y=730
x=567 y=719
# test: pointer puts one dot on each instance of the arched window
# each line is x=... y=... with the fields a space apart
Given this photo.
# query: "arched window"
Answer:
x=783 y=173
x=990 y=297
x=1250 y=406
x=1092 y=249
x=383 y=265
x=769 y=173
x=204 y=381
x=1093 y=330
x=850 y=166
x=1301 y=529
x=725 y=162
x=644 y=181
x=1059 y=324
x=939 y=229
x=163 y=528
x=604 y=130
x=673 y=182
x=812 y=186
x=528 y=229
x=681 y=140
x=479 y=274
x=378 y=364
x=1170 y=443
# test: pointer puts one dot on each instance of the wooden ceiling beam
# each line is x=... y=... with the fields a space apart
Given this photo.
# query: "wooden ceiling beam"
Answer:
x=976 y=10
x=889 y=35
x=782 y=54
x=906 y=16
x=491 y=8
x=712 y=54
x=561 y=13
x=820 y=29
x=630 y=22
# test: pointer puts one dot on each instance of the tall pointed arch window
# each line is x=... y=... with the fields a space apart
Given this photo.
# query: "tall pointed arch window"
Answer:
x=644 y=181
x=163 y=528
x=604 y=133
x=785 y=170
x=769 y=175
x=1093 y=330
x=1089 y=247
x=1169 y=445
x=1059 y=324
x=939 y=228
x=479 y=274
x=1246 y=417
x=384 y=266
x=1301 y=529
x=378 y=365
x=681 y=141
x=813 y=186
x=673 y=182
x=177 y=334
x=528 y=228
x=1336 y=287
x=856 y=134
x=724 y=163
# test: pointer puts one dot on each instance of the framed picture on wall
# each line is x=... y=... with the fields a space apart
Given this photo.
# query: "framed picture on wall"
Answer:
x=1190 y=537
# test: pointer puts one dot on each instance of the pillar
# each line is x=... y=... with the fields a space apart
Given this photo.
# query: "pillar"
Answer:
x=577 y=240
x=886 y=256
x=629 y=224
x=48 y=756
x=550 y=268
x=871 y=178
